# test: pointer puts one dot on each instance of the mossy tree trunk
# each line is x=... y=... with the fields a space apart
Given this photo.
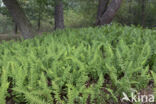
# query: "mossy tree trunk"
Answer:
x=19 y=18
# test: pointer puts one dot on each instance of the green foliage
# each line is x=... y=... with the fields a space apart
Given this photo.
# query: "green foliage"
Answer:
x=78 y=65
x=4 y=86
x=74 y=19
x=130 y=12
x=6 y=24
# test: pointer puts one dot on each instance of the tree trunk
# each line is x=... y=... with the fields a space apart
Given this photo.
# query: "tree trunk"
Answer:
x=59 y=15
x=110 y=12
x=130 y=11
x=102 y=7
x=19 y=17
x=143 y=3
x=39 y=21
x=15 y=29
x=39 y=16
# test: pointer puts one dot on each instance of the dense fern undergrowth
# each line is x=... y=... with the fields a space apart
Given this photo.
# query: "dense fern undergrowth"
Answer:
x=78 y=66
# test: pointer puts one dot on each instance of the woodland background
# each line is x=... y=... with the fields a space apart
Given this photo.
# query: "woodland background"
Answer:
x=77 y=13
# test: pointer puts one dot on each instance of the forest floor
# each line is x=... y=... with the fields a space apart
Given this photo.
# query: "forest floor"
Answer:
x=8 y=37
x=12 y=36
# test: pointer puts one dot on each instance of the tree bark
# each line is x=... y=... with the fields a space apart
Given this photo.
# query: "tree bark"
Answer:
x=110 y=12
x=15 y=29
x=130 y=11
x=102 y=7
x=39 y=16
x=59 y=15
x=39 y=21
x=143 y=3
x=20 y=18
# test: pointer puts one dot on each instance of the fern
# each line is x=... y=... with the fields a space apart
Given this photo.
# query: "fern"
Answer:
x=88 y=65
x=4 y=86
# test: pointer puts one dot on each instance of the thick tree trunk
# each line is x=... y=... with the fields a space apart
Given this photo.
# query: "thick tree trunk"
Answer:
x=19 y=17
x=110 y=12
x=59 y=15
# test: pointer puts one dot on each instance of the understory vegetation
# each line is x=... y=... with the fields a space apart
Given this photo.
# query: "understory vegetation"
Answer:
x=78 y=66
